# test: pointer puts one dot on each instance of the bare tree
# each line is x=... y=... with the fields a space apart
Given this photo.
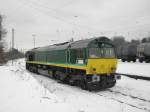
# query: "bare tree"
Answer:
x=144 y=40
x=135 y=41
x=148 y=39
x=119 y=40
x=2 y=33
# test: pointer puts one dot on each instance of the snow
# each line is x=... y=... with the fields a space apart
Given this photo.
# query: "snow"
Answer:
x=137 y=68
x=22 y=91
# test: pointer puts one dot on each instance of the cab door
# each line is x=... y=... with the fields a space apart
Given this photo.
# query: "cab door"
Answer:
x=67 y=56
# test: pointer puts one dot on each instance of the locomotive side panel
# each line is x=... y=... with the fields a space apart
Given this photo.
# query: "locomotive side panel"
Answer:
x=58 y=56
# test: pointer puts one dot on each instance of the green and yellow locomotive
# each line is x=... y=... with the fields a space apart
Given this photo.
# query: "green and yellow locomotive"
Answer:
x=90 y=63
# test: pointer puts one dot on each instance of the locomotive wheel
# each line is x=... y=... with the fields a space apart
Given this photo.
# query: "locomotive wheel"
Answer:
x=83 y=85
x=112 y=84
x=54 y=74
x=30 y=68
x=123 y=60
x=134 y=60
x=71 y=82
x=147 y=61
x=140 y=60
x=36 y=70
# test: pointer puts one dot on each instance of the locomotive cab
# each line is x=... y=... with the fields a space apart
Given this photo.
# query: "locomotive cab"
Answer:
x=101 y=58
x=101 y=64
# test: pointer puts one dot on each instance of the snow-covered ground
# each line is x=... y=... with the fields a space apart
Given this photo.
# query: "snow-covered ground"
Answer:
x=137 y=68
x=22 y=91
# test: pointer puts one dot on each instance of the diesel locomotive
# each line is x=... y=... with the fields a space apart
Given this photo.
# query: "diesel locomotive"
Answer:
x=89 y=63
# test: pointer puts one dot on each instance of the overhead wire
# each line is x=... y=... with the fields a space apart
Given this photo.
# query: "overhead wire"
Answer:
x=36 y=8
x=49 y=11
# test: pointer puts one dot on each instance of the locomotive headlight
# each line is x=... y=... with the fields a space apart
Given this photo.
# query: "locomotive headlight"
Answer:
x=113 y=69
x=94 y=69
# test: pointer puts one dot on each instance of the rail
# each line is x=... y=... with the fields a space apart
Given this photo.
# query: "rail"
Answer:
x=135 y=76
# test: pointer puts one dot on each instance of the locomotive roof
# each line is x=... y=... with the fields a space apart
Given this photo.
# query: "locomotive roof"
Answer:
x=86 y=42
x=52 y=47
x=72 y=45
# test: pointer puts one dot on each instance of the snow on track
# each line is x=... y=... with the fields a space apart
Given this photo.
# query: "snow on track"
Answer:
x=127 y=92
x=137 y=68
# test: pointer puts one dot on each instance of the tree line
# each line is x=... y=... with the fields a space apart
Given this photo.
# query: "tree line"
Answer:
x=7 y=55
x=120 y=40
x=14 y=53
x=2 y=35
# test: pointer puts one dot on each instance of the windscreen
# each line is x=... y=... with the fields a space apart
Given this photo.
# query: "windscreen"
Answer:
x=102 y=51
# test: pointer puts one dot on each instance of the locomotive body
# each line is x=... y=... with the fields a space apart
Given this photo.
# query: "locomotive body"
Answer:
x=89 y=63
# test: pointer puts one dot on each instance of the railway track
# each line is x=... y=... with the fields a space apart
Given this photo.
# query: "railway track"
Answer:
x=140 y=103
x=127 y=99
x=135 y=76
x=134 y=97
x=130 y=100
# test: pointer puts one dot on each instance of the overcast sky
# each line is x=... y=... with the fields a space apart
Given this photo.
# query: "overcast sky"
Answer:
x=54 y=21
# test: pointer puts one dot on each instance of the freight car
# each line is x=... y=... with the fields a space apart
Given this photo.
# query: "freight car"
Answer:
x=128 y=52
x=89 y=63
x=119 y=51
x=143 y=52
